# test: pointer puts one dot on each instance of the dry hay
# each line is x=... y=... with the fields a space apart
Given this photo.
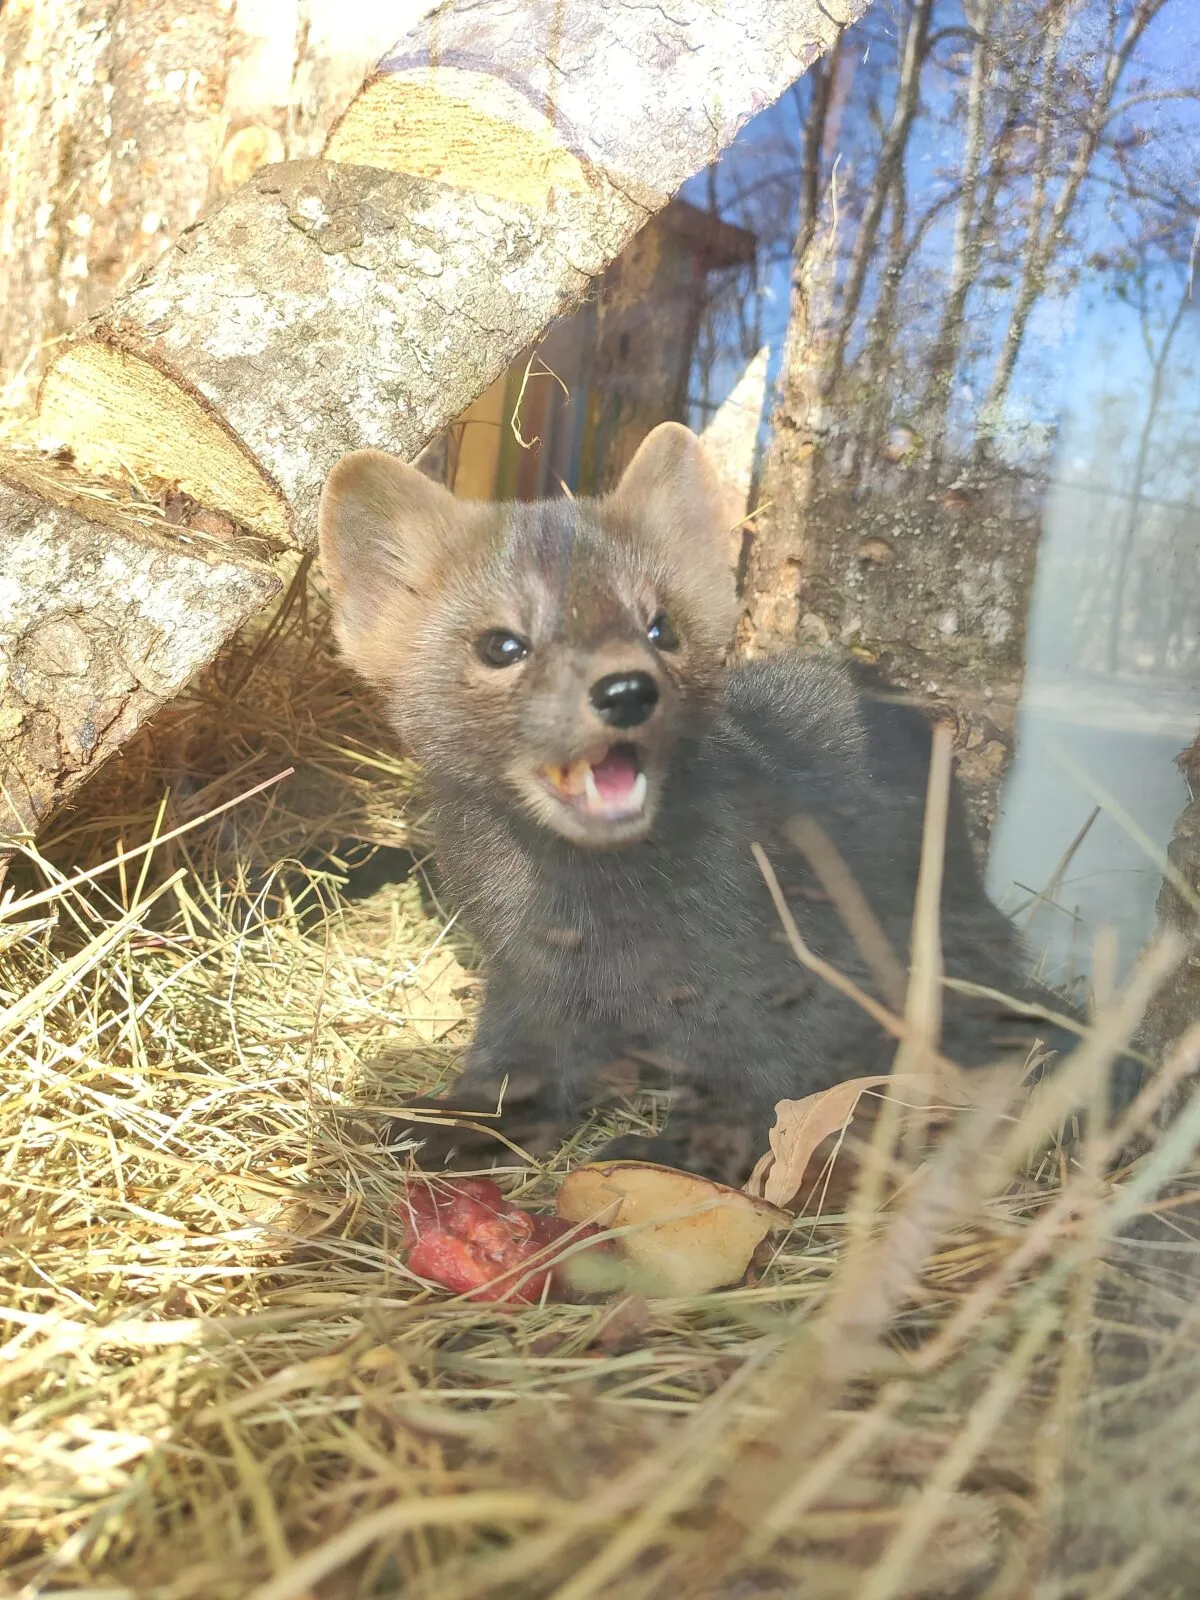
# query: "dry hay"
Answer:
x=220 y=1382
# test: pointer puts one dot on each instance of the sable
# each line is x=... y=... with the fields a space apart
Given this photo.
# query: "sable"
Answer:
x=513 y=645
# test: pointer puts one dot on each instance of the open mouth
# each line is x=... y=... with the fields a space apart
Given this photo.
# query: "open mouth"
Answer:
x=612 y=788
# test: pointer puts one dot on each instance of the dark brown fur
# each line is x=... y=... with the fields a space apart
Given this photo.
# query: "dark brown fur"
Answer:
x=658 y=936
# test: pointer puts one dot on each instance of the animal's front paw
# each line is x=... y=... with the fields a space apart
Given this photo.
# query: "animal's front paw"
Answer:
x=721 y=1151
x=660 y=1150
x=480 y=1124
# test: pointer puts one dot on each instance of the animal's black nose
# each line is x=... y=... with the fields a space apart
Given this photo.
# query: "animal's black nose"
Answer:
x=624 y=699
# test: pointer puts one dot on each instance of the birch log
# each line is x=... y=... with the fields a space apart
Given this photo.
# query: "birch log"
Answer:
x=501 y=156
x=97 y=628
x=121 y=123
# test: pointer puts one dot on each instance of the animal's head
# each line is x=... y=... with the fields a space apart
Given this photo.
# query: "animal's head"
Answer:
x=554 y=654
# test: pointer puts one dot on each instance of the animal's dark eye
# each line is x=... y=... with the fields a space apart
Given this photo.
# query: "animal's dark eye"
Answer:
x=661 y=634
x=498 y=648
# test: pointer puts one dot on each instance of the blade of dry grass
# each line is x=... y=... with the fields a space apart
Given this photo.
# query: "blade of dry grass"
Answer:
x=890 y=1023
x=923 y=1002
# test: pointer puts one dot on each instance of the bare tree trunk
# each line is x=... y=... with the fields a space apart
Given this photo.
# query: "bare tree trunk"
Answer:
x=888 y=166
x=335 y=304
x=965 y=257
x=871 y=366
x=775 y=551
x=1116 y=593
x=777 y=609
x=1044 y=241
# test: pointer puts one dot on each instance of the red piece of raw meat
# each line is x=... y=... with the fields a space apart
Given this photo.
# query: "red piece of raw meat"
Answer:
x=464 y=1235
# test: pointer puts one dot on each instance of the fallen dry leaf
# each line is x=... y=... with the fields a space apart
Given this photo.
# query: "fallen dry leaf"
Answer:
x=686 y=1235
x=432 y=999
x=802 y=1126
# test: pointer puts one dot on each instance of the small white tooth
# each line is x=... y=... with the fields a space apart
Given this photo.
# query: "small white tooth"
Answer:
x=578 y=774
x=590 y=790
x=637 y=795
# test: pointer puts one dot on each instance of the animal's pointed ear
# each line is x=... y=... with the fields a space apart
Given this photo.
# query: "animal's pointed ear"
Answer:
x=385 y=531
x=671 y=495
x=671 y=484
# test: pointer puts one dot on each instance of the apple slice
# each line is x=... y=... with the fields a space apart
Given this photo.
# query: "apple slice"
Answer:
x=684 y=1234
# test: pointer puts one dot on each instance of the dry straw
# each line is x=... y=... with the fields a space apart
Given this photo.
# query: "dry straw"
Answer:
x=220 y=1383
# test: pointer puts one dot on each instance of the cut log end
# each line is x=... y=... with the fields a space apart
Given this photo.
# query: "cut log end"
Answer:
x=119 y=414
x=462 y=128
x=91 y=643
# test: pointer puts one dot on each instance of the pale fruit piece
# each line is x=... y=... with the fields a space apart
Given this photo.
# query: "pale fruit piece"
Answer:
x=686 y=1235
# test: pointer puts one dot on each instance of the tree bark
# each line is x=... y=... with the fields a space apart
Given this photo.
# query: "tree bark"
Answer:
x=966 y=255
x=773 y=559
x=98 y=626
x=120 y=122
x=499 y=159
